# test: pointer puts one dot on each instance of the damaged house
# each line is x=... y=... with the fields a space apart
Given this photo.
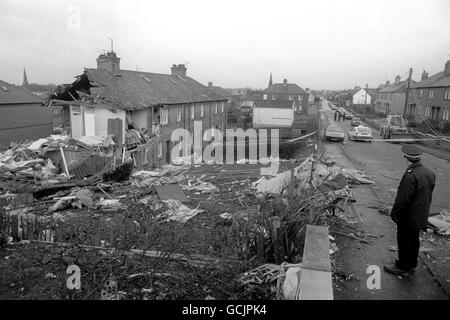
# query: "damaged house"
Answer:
x=109 y=101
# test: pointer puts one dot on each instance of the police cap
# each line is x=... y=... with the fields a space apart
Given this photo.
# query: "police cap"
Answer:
x=411 y=151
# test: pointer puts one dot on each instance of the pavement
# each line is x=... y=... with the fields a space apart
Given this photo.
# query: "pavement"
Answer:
x=385 y=163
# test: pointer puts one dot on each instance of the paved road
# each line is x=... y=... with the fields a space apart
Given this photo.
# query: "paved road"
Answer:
x=385 y=163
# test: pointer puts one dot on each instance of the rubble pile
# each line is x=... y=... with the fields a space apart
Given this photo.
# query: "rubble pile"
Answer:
x=31 y=166
x=310 y=193
x=236 y=216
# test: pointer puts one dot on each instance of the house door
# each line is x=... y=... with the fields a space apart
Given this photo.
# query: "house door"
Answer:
x=76 y=123
x=168 y=150
x=115 y=127
x=89 y=121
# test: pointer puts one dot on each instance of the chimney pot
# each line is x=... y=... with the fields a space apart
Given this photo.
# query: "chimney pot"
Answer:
x=397 y=79
x=285 y=81
x=178 y=70
x=109 y=61
x=447 y=69
x=210 y=84
x=424 y=75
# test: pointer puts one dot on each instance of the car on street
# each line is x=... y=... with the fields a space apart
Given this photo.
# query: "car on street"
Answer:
x=349 y=116
x=334 y=133
x=360 y=133
x=356 y=121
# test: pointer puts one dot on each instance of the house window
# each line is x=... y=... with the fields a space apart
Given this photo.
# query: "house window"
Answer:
x=192 y=111
x=265 y=97
x=202 y=110
x=427 y=111
x=160 y=149
x=273 y=97
x=179 y=113
x=300 y=97
x=420 y=93
x=291 y=97
x=431 y=94
x=164 y=114
x=215 y=107
x=445 y=114
x=447 y=94
x=223 y=106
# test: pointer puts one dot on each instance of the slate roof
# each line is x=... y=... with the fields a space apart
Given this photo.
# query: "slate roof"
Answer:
x=289 y=88
x=220 y=91
x=138 y=90
x=399 y=87
x=435 y=81
x=11 y=94
x=282 y=104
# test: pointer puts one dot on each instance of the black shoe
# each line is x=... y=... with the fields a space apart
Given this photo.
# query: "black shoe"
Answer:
x=398 y=272
x=410 y=270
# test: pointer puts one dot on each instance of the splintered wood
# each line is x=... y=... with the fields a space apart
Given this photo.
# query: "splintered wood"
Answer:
x=263 y=274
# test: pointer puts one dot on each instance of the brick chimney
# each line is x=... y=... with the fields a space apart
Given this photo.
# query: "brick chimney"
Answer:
x=388 y=83
x=424 y=75
x=179 y=70
x=397 y=79
x=109 y=61
x=210 y=84
x=447 y=69
x=285 y=82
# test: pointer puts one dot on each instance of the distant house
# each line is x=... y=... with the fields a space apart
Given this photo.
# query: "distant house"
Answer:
x=247 y=104
x=361 y=96
x=391 y=98
x=285 y=106
x=107 y=100
x=288 y=92
x=21 y=115
x=430 y=98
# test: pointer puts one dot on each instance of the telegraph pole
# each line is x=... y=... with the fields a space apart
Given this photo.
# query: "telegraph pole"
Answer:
x=365 y=100
x=407 y=92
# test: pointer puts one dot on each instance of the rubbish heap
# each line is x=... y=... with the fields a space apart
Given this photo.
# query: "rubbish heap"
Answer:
x=308 y=194
x=32 y=166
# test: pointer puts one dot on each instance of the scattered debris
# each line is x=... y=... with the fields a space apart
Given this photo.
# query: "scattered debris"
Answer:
x=263 y=274
x=178 y=212
x=441 y=222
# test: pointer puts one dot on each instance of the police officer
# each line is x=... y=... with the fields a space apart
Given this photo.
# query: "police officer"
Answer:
x=410 y=211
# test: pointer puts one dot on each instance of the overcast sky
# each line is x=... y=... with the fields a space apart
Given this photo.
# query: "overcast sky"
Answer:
x=317 y=44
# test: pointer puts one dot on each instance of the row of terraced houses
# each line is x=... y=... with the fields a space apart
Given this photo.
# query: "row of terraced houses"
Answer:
x=428 y=99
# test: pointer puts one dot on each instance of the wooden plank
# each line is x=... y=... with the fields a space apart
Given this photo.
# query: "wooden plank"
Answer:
x=170 y=191
x=315 y=285
x=316 y=253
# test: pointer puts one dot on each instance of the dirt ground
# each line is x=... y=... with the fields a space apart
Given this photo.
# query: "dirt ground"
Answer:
x=30 y=270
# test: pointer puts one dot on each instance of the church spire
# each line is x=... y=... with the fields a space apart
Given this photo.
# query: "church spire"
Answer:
x=270 y=80
x=25 y=79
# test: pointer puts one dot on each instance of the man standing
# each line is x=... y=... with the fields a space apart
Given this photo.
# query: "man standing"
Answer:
x=335 y=115
x=410 y=211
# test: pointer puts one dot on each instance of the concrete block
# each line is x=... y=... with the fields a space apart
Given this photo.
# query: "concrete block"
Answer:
x=315 y=285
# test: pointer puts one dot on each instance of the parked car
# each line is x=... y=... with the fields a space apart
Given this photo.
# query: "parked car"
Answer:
x=349 y=116
x=334 y=133
x=356 y=121
x=360 y=133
